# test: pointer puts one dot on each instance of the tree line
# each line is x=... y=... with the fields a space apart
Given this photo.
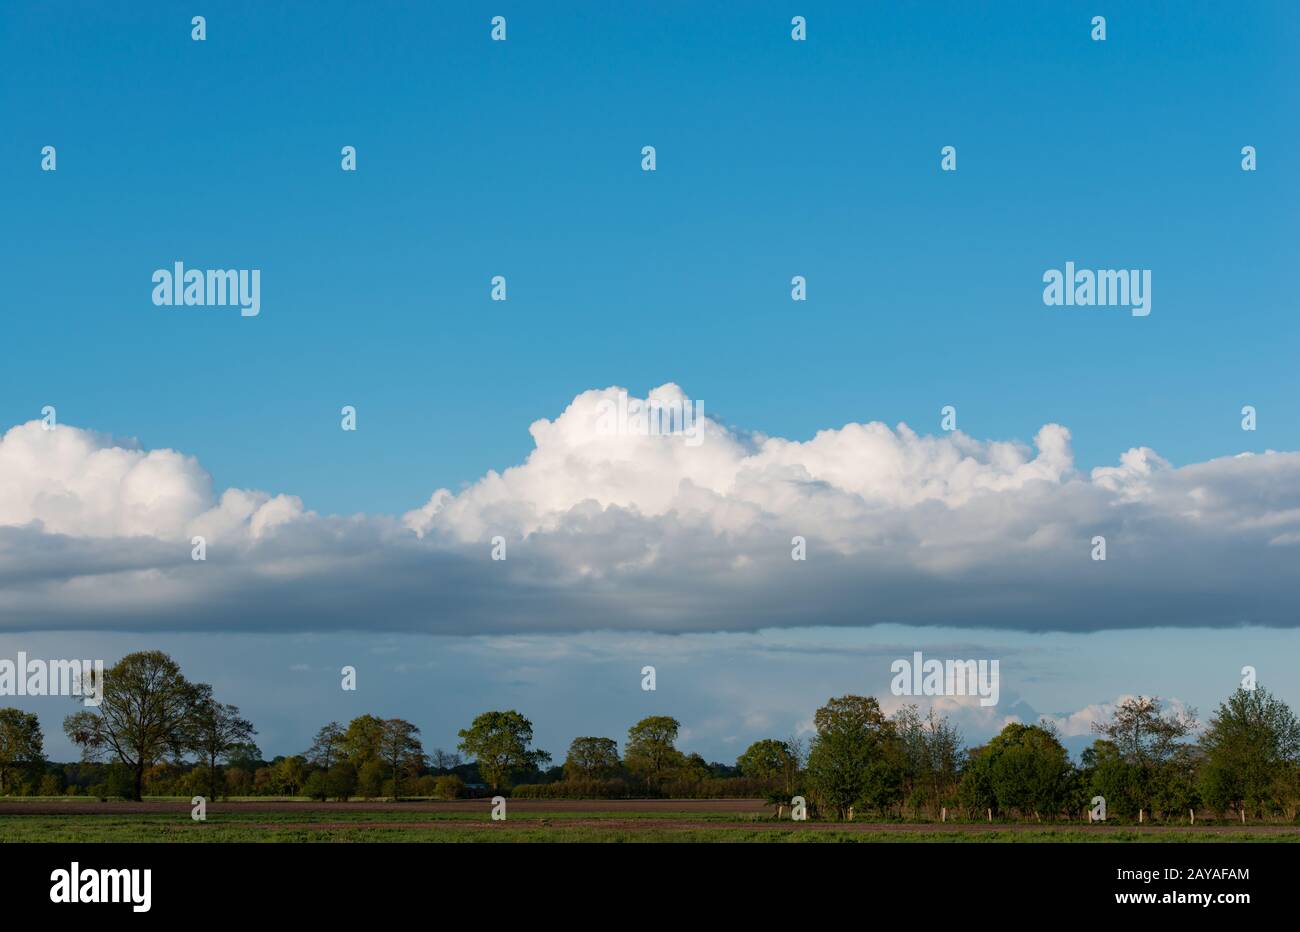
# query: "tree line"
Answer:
x=1143 y=765
x=156 y=733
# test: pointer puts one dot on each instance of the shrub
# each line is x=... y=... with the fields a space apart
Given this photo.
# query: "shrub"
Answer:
x=572 y=789
x=315 y=787
x=421 y=786
x=449 y=787
x=341 y=781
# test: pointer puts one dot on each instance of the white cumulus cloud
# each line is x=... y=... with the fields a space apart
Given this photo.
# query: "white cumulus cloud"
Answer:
x=627 y=530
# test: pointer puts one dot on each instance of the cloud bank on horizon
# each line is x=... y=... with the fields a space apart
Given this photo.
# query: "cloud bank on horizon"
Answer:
x=625 y=531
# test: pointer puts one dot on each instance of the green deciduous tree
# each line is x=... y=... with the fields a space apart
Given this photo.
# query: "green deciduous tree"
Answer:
x=1251 y=747
x=650 y=750
x=1105 y=773
x=1023 y=768
x=289 y=775
x=1147 y=742
x=22 y=746
x=340 y=781
x=216 y=732
x=146 y=705
x=327 y=747
x=931 y=753
x=314 y=787
x=591 y=758
x=1142 y=734
x=975 y=790
x=370 y=779
x=360 y=743
x=853 y=760
x=401 y=750
x=767 y=759
x=499 y=742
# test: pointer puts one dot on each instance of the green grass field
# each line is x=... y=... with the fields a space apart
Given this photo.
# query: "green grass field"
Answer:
x=159 y=820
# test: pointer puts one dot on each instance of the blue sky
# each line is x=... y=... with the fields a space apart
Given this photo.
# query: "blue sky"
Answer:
x=775 y=159
x=522 y=159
